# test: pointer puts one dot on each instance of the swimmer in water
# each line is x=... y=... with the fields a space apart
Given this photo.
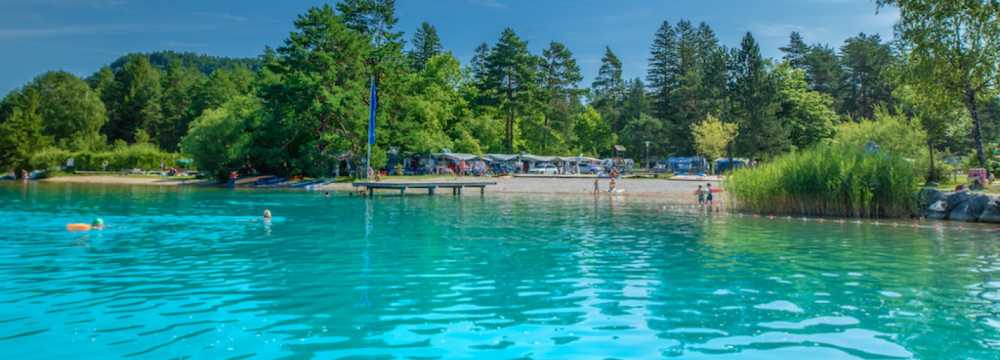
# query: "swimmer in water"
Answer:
x=326 y=194
x=97 y=224
x=267 y=214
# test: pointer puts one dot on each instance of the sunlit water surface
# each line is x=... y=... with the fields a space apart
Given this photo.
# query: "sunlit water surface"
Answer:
x=195 y=273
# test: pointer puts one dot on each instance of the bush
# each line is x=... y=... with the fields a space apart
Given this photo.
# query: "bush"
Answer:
x=829 y=180
x=49 y=158
x=137 y=156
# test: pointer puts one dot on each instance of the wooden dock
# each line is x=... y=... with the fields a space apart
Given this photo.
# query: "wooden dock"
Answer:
x=455 y=186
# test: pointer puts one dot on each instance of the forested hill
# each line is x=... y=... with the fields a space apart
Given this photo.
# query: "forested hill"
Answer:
x=206 y=64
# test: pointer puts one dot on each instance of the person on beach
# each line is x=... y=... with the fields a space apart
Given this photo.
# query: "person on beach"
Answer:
x=611 y=185
x=709 y=197
x=701 y=195
x=597 y=185
x=24 y=175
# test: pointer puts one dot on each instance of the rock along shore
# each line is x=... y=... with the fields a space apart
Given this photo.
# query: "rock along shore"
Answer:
x=959 y=206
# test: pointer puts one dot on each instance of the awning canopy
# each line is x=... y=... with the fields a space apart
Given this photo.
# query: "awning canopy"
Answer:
x=619 y=148
x=537 y=158
x=579 y=159
x=456 y=156
x=499 y=157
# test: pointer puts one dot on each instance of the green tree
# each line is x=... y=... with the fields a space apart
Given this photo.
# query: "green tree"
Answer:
x=663 y=71
x=71 y=112
x=754 y=103
x=593 y=134
x=135 y=100
x=808 y=114
x=956 y=45
x=223 y=85
x=21 y=129
x=823 y=71
x=315 y=93
x=712 y=137
x=796 y=51
x=512 y=81
x=608 y=90
x=560 y=76
x=866 y=61
x=432 y=107
x=177 y=104
x=426 y=45
x=641 y=129
x=219 y=139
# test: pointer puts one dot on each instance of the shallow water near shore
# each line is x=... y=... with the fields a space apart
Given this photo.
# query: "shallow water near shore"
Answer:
x=192 y=272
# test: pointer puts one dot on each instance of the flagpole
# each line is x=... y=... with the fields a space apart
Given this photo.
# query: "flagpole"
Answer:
x=371 y=128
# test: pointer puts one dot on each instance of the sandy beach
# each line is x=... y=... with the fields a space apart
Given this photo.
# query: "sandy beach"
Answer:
x=681 y=190
x=125 y=180
x=678 y=190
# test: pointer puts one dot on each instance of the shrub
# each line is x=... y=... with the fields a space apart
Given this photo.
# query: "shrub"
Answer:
x=137 y=156
x=49 y=158
x=829 y=180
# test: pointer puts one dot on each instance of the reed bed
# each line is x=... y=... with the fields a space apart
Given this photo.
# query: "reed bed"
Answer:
x=828 y=180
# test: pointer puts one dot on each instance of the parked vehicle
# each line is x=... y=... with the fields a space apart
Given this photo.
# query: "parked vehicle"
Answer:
x=544 y=168
x=590 y=169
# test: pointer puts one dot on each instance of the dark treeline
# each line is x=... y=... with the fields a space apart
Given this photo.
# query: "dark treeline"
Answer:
x=303 y=105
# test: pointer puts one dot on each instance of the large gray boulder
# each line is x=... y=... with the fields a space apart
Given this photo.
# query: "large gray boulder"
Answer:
x=937 y=211
x=928 y=196
x=956 y=198
x=970 y=209
x=991 y=214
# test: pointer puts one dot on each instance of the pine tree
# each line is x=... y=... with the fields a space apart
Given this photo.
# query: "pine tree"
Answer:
x=511 y=81
x=137 y=93
x=865 y=60
x=21 y=129
x=315 y=93
x=426 y=44
x=609 y=89
x=755 y=103
x=179 y=86
x=560 y=76
x=823 y=71
x=796 y=51
x=661 y=75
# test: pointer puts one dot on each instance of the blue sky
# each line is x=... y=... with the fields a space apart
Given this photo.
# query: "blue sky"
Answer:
x=81 y=35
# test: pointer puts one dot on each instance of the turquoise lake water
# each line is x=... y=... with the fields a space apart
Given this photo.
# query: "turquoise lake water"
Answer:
x=195 y=273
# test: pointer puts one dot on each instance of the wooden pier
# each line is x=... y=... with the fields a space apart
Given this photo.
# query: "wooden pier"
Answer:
x=455 y=186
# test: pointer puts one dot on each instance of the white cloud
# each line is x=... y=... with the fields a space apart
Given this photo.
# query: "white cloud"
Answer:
x=223 y=16
x=30 y=33
x=496 y=4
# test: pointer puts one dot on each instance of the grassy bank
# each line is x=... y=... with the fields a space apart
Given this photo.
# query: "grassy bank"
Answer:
x=828 y=180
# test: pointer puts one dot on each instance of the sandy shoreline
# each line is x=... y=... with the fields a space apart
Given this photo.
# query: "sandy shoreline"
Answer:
x=677 y=190
x=658 y=188
x=123 y=180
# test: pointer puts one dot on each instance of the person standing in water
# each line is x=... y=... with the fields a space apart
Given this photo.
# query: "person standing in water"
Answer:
x=701 y=195
x=597 y=185
x=709 y=197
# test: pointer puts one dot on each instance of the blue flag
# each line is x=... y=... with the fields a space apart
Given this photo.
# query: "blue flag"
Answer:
x=371 y=119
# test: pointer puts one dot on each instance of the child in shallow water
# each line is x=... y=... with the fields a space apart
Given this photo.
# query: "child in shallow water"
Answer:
x=701 y=195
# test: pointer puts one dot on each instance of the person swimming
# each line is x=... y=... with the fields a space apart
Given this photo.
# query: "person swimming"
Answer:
x=267 y=214
x=97 y=224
